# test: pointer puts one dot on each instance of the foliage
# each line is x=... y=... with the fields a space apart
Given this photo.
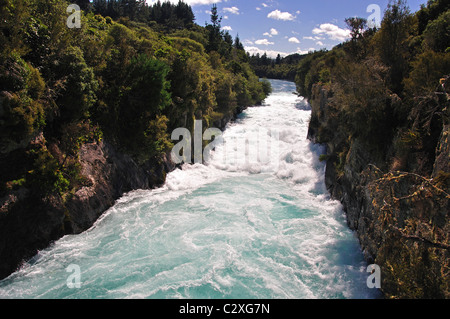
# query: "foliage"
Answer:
x=22 y=112
x=130 y=75
x=437 y=33
x=390 y=42
x=144 y=95
x=161 y=15
x=426 y=70
x=403 y=65
x=380 y=101
x=76 y=84
x=46 y=177
x=279 y=68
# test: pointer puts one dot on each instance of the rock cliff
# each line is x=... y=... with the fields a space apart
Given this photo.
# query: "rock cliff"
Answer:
x=29 y=226
x=400 y=217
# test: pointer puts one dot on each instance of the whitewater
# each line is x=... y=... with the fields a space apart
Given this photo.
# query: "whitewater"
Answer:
x=224 y=229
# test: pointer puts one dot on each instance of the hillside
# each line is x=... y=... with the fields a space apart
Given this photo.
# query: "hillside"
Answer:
x=86 y=112
x=380 y=103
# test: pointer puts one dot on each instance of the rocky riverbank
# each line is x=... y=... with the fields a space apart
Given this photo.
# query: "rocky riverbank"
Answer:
x=29 y=226
x=400 y=217
x=109 y=174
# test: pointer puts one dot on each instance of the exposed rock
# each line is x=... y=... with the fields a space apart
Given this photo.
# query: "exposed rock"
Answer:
x=442 y=162
x=29 y=224
x=401 y=219
x=405 y=225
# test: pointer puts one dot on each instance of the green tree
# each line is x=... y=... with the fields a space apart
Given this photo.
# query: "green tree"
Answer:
x=437 y=33
x=13 y=25
x=390 y=42
x=84 y=4
x=427 y=69
x=75 y=85
x=22 y=105
x=358 y=27
x=144 y=95
x=214 y=31
x=238 y=44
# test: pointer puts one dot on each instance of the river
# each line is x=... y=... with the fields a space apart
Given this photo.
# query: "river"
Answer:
x=258 y=228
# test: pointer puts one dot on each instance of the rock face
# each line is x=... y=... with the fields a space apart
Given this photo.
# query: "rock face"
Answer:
x=442 y=162
x=401 y=218
x=110 y=175
x=25 y=229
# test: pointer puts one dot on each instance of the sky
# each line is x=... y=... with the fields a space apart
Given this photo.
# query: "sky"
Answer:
x=290 y=26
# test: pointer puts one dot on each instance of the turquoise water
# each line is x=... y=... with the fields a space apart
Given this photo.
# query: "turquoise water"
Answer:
x=233 y=228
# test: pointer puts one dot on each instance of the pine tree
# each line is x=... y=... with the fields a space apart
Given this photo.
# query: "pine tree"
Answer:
x=238 y=44
x=215 y=34
x=84 y=4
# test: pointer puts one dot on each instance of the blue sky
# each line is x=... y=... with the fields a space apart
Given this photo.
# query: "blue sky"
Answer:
x=288 y=26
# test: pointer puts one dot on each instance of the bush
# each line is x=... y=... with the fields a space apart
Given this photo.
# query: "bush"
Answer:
x=22 y=110
x=46 y=177
x=76 y=85
x=427 y=69
x=266 y=86
x=437 y=34
x=144 y=96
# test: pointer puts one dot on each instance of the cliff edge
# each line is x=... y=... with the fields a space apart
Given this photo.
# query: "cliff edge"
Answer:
x=397 y=203
x=29 y=225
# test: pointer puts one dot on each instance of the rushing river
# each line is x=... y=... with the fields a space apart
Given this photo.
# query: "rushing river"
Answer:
x=230 y=229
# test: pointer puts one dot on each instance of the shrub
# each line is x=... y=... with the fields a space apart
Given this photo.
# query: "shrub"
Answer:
x=46 y=176
x=437 y=34
x=427 y=69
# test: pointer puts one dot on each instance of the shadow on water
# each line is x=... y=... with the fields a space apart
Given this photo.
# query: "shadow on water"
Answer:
x=344 y=249
x=317 y=150
x=302 y=104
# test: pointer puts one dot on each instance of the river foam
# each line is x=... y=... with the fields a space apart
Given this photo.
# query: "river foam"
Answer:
x=228 y=229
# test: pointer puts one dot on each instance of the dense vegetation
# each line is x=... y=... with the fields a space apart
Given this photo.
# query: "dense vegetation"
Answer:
x=381 y=104
x=130 y=75
x=381 y=80
x=282 y=68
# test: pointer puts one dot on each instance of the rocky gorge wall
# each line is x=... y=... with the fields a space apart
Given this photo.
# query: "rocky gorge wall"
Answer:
x=109 y=174
x=401 y=218
x=26 y=228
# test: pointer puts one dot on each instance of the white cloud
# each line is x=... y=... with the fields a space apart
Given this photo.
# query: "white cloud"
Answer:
x=272 y=33
x=300 y=51
x=278 y=15
x=273 y=53
x=227 y=28
x=332 y=31
x=320 y=43
x=270 y=53
x=294 y=40
x=232 y=10
x=264 y=42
